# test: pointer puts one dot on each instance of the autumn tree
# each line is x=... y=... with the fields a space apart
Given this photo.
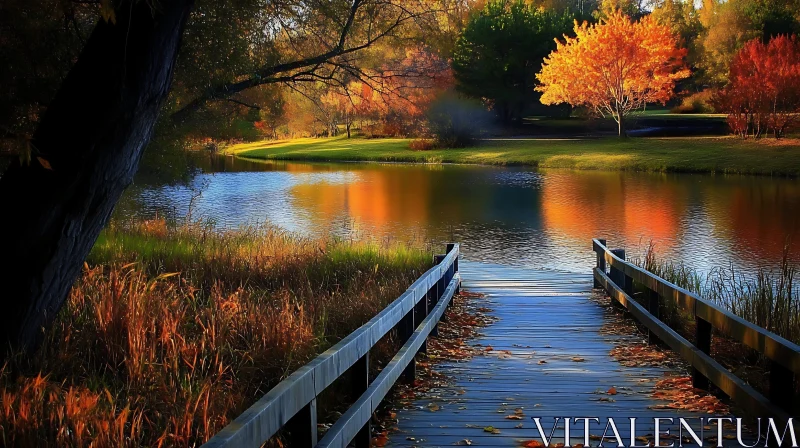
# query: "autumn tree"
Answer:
x=288 y=42
x=763 y=92
x=728 y=24
x=88 y=143
x=84 y=154
x=501 y=50
x=614 y=67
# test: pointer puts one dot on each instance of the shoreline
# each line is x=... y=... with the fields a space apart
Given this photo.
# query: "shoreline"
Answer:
x=691 y=155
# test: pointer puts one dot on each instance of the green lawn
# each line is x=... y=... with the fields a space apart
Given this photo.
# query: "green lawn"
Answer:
x=675 y=154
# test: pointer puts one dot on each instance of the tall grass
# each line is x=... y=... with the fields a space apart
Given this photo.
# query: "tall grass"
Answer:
x=172 y=332
x=766 y=297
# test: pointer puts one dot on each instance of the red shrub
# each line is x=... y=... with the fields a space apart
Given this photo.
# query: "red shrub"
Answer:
x=422 y=144
x=763 y=92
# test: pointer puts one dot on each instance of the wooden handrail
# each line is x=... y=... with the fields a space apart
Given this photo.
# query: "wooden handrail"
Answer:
x=784 y=354
x=292 y=402
x=350 y=423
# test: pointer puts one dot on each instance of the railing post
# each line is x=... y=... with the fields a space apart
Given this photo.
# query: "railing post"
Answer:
x=441 y=285
x=359 y=386
x=406 y=330
x=431 y=298
x=601 y=262
x=616 y=275
x=653 y=306
x=421 y=310
x=702 y=340
x=303 y=426
x=781 y=387
x=453 y=269
x=455 y=262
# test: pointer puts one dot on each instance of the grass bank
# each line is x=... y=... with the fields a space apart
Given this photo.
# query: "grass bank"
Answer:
x=171 y=332
x=676 y=154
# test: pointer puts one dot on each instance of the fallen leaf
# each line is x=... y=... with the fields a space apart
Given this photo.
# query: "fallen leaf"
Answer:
x=491 y=429
x=532 y=444
x=45 y=163
x=513 y=417
x=612 y=391
x=578 y=359
x=465 y=442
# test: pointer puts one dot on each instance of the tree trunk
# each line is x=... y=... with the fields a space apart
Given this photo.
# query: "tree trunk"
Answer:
x=623 y=132
x=85 y=153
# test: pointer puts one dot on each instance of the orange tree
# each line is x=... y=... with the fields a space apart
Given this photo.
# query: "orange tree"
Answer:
x=614 y=67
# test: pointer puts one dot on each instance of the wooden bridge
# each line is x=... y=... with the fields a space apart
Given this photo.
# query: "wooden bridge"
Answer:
x=555 y=363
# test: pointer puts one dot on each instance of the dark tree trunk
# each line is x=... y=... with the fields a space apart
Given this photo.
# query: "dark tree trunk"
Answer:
x=85 y=153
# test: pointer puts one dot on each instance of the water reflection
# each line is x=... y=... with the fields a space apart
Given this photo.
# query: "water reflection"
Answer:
x=508 y=215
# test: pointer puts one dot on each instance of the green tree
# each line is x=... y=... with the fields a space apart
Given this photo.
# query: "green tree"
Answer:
x=683 y=19
x=772 y=17
x=634 y=9
x=501 y=50
x=39 y=42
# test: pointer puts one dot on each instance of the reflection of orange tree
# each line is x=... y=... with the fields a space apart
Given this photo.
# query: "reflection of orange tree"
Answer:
x=584 y=205
x=754 y=219
x=375 y=199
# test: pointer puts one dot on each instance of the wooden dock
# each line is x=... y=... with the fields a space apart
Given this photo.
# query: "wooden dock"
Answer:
x=549 y=358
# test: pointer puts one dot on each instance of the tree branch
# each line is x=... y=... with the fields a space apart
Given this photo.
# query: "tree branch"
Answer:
x=270 y=75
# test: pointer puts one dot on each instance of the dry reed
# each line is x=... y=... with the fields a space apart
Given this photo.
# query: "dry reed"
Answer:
x=171 y=332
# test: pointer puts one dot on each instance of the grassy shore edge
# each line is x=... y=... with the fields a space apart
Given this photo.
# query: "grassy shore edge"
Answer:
x=722 y=155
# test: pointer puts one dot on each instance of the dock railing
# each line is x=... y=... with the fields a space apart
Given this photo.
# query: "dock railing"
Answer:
x=292 y=404
x=622 y=280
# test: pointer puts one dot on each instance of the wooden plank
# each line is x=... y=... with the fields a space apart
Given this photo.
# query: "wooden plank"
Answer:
x=765 y=342
x=485 y=389
x=265 y=417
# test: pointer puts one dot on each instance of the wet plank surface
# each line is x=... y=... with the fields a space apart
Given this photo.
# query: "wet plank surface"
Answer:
x=549 y=359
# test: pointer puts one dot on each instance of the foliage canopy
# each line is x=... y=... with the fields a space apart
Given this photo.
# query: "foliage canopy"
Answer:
x=614 y=67
x=500 y=51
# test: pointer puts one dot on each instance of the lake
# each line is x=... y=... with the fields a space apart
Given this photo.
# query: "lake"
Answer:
x=519 y=216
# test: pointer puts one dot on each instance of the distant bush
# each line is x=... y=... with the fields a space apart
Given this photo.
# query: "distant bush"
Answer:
x=456 y=122
x=391 y=125
x=423 y=144
x=696 y=103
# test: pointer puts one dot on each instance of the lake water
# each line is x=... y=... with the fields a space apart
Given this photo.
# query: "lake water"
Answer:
x=520 y=216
